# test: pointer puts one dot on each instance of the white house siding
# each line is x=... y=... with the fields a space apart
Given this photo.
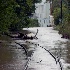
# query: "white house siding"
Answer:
x=51 y=20
x=42 y=12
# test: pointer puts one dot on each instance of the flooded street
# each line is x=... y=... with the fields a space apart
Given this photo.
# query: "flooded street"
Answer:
x=13 y=56
x=52 y=41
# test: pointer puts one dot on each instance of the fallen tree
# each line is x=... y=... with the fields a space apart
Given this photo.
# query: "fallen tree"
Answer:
x=23 y=35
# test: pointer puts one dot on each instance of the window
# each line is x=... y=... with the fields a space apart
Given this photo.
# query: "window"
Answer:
x=40 y=20
x=44 y=21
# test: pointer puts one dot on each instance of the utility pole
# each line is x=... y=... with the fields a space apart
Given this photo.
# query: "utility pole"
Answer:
x=50 y=6
x=61 y=11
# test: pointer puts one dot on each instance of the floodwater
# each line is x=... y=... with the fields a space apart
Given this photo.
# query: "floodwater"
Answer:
x=13 y=56
x=49 y=39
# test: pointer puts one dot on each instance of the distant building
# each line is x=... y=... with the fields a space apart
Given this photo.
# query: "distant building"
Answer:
x=42 y=13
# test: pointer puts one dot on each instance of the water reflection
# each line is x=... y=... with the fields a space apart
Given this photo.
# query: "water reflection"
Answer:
x=62 y=50
x=68 y=52
x=5 y=54
x=51 y=40
x=12 y=57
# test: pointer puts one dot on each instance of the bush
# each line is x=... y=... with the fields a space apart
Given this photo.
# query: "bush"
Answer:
x=33 y=23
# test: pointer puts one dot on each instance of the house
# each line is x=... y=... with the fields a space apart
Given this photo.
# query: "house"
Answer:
x=42 y=13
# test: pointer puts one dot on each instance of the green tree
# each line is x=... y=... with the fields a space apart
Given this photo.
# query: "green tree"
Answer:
x=14 y=14
x=7 y=14
x=25 y=10
x=64 y=28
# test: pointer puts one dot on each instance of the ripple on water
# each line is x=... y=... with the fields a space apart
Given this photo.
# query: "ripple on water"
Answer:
x=12 y=57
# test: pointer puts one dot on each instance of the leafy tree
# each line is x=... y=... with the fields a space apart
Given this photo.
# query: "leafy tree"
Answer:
x=57 y=11
x=14 y=14
x=24 y=11
x=7 y=14
x=64 y=28
x=33 y=22
x=56 y=15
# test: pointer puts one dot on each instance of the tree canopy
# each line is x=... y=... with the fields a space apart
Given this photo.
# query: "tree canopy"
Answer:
x=57 y=10
x=64 y=27
x=14 y=14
